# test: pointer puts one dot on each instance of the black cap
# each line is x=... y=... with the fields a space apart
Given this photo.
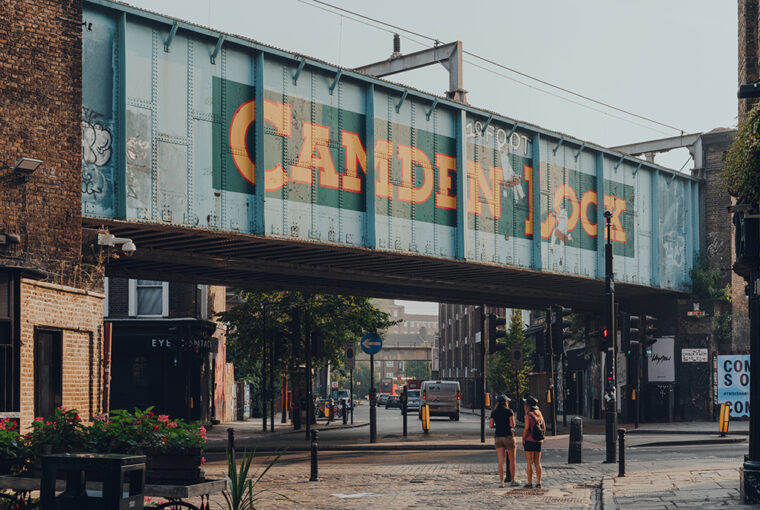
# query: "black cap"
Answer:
x=531 y=401
x=502 y=399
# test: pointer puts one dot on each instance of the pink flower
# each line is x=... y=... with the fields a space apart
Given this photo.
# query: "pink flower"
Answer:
x=156 y=427
x=164 y=418
x=203 y=460
x=172 y=425
x=202 y=431
x=100 y=417
x=39 y=420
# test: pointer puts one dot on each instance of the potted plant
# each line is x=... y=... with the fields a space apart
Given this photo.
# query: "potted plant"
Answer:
x=173 y=447
x=14 y=453
x=61 y=433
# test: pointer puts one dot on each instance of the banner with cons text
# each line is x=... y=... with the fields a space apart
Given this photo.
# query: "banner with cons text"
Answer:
x=733 y=383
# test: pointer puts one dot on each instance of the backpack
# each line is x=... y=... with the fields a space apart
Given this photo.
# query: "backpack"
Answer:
x=537 y=432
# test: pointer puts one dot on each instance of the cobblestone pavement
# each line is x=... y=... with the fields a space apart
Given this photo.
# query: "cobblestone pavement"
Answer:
x=696 y=486
x=683 y=483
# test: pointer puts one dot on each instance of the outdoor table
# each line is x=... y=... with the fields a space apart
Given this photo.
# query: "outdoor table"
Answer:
x=23 y=486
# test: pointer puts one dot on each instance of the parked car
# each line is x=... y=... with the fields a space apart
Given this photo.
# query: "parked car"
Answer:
x=442 y=397
x=343 y=396
x=382 y=398
x=413 y=402
x=393 y=401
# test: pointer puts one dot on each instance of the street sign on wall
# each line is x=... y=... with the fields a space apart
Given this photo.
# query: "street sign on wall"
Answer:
x=350 y=361
x=733 y=383
x=693 y=355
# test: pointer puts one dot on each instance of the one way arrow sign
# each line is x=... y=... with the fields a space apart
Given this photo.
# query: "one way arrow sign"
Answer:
x=371 y=343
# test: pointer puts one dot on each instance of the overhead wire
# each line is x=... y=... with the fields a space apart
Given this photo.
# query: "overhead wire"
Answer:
x=364 y=18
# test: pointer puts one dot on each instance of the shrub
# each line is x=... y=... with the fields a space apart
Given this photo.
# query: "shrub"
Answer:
x=741 y=171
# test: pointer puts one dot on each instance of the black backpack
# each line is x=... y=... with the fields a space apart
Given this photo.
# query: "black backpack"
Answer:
x=538 y=431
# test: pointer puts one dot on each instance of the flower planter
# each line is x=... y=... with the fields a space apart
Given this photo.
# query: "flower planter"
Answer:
x=174 y=468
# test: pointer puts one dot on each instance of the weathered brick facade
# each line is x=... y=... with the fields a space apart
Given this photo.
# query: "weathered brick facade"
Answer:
x=40 y=117
x=749 y=22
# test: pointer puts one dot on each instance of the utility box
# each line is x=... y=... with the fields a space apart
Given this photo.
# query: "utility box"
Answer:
x=119 y=478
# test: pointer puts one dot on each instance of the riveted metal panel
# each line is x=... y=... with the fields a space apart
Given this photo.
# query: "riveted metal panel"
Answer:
x=446 y=180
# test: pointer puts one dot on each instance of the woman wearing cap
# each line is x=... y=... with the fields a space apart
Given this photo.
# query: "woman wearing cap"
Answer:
x=503 y=421
x=532 y=442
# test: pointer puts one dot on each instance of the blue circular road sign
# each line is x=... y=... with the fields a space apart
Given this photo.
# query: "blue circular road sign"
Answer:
x=371 y=343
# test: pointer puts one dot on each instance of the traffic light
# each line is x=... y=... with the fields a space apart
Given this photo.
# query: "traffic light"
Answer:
x=493 y=333
x=651 y=330
x=634 y=355
x=317 y=343
x=517 y=357
x=634 y=323
x=279 y=340
x=561 y=325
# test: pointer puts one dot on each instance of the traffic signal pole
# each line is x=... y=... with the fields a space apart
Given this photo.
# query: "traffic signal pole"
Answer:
x=483 y=373
x=609 y=313
x=552 y=372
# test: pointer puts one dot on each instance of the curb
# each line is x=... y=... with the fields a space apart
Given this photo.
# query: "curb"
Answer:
x=221 y=444
x=607 y=499
x=372 y=448
x=685 y=432
x=717 y=440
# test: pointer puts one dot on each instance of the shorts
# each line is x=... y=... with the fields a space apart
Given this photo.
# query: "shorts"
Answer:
x=532 y=446
x=506 y=442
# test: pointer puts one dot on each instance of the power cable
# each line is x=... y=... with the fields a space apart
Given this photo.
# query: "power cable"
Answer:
x=494 y=63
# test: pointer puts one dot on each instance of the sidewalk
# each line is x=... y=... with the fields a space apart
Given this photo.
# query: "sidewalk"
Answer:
x=703 y=486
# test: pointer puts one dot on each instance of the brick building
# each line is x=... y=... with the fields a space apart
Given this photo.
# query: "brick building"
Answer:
x=51 y=334
x=167 y=350
x=413 y=330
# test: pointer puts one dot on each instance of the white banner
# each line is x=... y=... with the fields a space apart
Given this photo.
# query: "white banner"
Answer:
x=661 y=365
x=733 y=383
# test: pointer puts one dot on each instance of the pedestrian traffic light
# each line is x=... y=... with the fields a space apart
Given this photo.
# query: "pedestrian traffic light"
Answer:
x=517 y=357
x=493 y=333
x=561 y=326
x=651 y=330
x=317 y=343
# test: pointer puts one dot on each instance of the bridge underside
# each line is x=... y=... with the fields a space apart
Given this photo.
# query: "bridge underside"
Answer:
x=243 y=260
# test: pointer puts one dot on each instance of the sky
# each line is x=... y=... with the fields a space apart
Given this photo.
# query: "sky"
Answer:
x=672 y=61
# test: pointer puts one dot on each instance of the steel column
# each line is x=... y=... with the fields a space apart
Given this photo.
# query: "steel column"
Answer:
x=536 y=199
x=120 y=184
x=599 y=215
x=369 y=176
x=654 y=250
x=462 y=185
x=259 y=220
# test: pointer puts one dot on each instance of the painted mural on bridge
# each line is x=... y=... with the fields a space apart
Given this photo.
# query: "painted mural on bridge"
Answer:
x=177 y=145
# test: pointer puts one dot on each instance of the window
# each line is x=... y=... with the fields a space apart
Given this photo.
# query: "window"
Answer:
x=389 y=364
x=105 y=301
x=48 y=369
x=401 y=366
x=389 y=375
x=377 y=363
x=148 y=298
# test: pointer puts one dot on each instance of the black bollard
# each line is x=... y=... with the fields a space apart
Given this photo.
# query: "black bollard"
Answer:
x=343 y=412
x=314 y=453
x=575 y=448
x=230 y=440
x=404 y=412
x=621 y=448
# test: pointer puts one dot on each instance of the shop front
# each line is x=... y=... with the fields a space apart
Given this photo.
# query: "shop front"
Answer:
x=167 y=364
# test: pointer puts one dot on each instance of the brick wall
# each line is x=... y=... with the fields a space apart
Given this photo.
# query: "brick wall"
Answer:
x=79 y=315
x=40 y=117
x=748 y=48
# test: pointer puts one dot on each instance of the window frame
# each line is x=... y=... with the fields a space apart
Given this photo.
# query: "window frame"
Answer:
x=133 y=304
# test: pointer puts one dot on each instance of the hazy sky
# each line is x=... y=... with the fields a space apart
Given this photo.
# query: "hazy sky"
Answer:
x=674 y=61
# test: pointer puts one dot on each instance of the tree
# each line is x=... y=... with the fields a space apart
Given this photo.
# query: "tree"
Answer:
x=336 y=319
x=502 y=378
x=741 y=169
x=418 y=369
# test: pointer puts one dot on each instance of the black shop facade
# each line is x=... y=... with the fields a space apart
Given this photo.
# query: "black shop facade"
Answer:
x=166 y=363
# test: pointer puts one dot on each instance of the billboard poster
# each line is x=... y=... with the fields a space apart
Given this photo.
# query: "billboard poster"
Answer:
x=661 y=365
x=733 y=383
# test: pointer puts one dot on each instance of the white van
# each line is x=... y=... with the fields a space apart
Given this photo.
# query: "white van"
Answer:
x=442 y=397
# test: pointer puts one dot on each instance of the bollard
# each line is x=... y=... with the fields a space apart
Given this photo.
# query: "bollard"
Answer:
x=230 y=440
x=575 y=447
x=314 y=452
x=621 y=452
x=343 y=412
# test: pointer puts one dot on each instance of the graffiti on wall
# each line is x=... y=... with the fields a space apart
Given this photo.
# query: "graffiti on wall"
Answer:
x=96 y=152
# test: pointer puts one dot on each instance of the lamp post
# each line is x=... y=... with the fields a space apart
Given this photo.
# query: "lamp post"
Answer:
x=609 y=324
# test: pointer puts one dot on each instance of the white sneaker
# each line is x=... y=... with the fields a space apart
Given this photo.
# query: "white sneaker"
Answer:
x=501 y=485
x=515 y=483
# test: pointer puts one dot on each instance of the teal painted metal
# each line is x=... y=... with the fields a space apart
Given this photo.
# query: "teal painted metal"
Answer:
x=461 y=225
x=600 y=269
x=536 y=197
x=369 y=196
x=271 y=143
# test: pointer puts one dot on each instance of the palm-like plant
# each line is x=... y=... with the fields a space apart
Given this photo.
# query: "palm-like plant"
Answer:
x=241 y=493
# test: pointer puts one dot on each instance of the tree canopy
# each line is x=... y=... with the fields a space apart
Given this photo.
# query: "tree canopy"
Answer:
x=502 y=378
x=333 y=320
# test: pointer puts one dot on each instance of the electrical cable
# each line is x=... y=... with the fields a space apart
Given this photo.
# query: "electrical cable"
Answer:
x=494 y=63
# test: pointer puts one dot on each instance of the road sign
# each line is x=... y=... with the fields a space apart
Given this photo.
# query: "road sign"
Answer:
x=350 y=363
x=371 y=343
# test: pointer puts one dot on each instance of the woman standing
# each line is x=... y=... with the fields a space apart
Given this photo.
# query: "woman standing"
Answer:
x=503 y=421
x=533 y=438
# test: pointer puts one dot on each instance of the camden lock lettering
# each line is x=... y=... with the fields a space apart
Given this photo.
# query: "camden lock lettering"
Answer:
x=321 y=152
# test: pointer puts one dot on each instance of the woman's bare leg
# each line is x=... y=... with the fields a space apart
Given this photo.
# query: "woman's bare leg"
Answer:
x=529 y=466
x=511 y=455
x=539 y=470
x=500 y=454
